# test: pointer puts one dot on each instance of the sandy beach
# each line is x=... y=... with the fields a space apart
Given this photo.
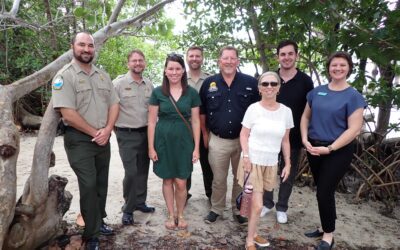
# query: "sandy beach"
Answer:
x=359 y=226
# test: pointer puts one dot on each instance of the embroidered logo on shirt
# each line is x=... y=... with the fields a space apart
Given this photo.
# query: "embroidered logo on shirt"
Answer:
x=213 y=87
x=58 y=83
x=248 y=88
x=322 y=93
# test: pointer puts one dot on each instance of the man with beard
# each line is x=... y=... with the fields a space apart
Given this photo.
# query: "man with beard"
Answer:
x=194 y=59
x=294 y=88
x=86 y=99
x=131 y=130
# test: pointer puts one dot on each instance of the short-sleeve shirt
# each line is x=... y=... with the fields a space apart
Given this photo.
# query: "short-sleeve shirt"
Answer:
x=190 y=100
x=134 y=101
x=224 y=106
x=330 y=111
x=267 y=129
x=91 y=95
x=199 y=82
x=293 y=94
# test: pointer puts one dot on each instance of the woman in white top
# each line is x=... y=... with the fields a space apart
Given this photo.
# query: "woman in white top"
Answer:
x=265 y=132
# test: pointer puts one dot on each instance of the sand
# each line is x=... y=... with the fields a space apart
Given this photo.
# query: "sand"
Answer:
x=359 y=226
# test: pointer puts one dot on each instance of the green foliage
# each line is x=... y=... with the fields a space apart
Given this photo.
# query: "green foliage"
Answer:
x=118 y=48
x=24 y=50
x=367 y=29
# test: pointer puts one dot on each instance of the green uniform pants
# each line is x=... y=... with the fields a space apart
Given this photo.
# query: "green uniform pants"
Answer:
x=133 y=150
x=90 y=163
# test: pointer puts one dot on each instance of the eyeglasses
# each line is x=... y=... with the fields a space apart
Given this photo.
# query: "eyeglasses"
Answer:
x=266 y=84
x=173 y=54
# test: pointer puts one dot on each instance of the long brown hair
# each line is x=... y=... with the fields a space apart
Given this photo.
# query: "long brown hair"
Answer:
x=165 y=83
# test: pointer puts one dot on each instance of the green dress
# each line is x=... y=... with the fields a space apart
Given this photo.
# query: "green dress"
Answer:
x=172 y=140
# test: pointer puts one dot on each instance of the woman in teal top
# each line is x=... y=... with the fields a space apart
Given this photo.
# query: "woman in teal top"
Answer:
x=173 y=142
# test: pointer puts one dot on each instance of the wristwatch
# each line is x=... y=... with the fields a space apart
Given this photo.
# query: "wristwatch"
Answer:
x=330 y=148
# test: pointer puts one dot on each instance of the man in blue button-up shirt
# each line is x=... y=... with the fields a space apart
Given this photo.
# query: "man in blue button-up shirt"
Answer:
x=225 y=98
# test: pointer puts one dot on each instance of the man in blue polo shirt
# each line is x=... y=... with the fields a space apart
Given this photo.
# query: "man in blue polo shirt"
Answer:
x=225 y=98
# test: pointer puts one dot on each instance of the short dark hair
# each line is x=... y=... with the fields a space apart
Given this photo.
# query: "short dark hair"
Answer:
x=285 y=43
x=173 y=57
x=195 y=47
x=228 y=48
x=344 y=55
x=136 y=51
x=82 y=32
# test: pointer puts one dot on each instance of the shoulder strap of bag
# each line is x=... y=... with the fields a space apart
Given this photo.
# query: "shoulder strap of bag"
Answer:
x=246 y=176
x=180 y=114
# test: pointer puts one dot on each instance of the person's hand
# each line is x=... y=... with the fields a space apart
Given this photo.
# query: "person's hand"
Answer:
x=246 y=164
x=102 y=136
x=153 y=155
x=205 y=139
x=307 y=145
x=310 y=149
x=285 y=172
x=322 y=150
x=195 y=156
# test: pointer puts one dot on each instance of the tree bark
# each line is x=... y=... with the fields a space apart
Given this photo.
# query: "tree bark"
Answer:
x=9 y=149
x=260 y=44
x=50 y=20
x=387 y=74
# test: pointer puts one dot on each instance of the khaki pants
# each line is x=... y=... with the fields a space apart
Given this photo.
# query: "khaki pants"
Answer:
x=222 y=153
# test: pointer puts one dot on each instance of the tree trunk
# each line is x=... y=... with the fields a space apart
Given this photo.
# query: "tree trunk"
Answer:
x=258 y=35
x=387 y=74
x=9 y=149
x=39 y=212
x=53 y=43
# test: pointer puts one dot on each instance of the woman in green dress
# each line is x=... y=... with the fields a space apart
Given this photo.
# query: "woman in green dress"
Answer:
x=174 y=137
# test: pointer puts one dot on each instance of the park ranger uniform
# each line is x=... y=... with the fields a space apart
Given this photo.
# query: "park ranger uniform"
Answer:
x=205 y=165
x=131 y=132
x=91 y=95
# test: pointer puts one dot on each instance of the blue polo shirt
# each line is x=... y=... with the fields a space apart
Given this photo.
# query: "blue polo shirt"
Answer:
x=330 y=110
x=224 y=106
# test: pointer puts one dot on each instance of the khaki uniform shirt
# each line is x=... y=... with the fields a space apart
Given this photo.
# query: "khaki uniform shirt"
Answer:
x=134 y=101
x=91 y=95
x=197 y=85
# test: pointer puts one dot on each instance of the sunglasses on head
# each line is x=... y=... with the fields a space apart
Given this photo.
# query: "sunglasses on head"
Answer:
x=173 y=54
x=266 y=84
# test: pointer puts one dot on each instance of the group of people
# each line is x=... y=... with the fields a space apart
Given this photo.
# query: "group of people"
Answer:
x=256 y=126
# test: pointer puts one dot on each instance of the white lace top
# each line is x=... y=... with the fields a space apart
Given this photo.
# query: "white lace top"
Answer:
x=267 y=129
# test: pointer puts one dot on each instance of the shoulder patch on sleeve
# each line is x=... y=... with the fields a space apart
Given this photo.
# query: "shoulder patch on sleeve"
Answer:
x=58 y=82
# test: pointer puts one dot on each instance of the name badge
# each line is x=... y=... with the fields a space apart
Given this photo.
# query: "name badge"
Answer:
x=322 y=93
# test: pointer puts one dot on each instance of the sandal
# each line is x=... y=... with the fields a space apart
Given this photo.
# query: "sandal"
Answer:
x=182 y=224
x=170 y=223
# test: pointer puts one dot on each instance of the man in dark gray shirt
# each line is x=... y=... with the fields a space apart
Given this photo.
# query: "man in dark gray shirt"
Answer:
x=294 y=88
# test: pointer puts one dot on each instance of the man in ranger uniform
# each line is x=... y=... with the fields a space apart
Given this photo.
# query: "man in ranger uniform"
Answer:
x=87 y=101
x=194 y=60
x=131 y=129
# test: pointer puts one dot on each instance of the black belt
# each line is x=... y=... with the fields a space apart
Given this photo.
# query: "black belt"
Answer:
x=141 y=129
x=319 y=143
x=223 y=137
